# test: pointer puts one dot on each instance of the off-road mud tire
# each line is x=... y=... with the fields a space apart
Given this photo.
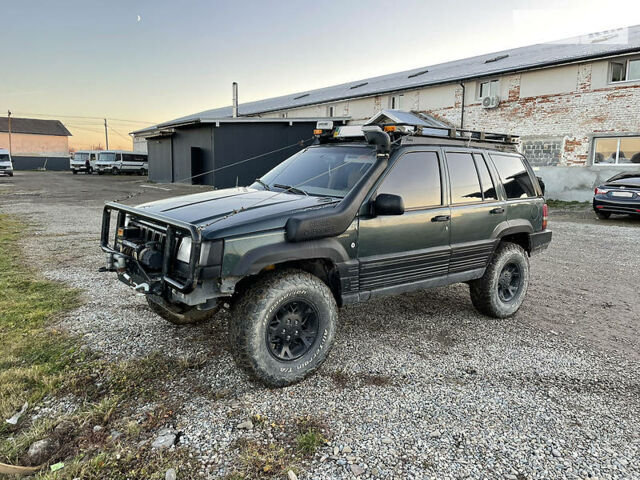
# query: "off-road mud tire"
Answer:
x=179 y=316
x=484 y=291
x=255 y=308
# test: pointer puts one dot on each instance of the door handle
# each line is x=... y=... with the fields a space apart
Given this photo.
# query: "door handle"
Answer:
x=441 y=218
x=497 y=211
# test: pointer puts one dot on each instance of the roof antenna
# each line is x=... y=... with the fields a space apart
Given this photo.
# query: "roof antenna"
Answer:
x=235 y=99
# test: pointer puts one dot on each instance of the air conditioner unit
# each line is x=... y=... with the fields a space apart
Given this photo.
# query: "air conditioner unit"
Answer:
x=490 y=102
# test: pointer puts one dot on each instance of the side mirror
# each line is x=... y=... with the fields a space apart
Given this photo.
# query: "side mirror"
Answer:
x=388 y=204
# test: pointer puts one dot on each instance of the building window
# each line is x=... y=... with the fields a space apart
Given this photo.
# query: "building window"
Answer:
x=331 y=111
x=395 y=102
x=489 y=88
x=616 y=150
x=624 y=70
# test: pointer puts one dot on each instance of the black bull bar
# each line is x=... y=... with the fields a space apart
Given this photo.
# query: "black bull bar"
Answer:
x=170 y=227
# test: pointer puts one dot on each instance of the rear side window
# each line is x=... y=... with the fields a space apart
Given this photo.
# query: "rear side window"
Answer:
x=514 y=175
x=488 y=188
x=465 y=185
x=126 y=157
x=416 y=178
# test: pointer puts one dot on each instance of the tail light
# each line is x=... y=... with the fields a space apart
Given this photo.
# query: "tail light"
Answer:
x=545 y=216
x=600 y=191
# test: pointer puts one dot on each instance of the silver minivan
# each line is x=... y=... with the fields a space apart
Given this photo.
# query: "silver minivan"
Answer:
x=122 y=161
x=83 y=161
x=6 y=166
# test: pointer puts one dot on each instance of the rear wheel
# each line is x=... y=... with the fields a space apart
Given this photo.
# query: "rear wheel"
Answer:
x=179 y=315
x=503 y=287
x=283 y=327
x=602 y=215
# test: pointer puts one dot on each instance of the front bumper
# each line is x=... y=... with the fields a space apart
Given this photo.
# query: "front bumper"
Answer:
x=539 y=241
x=129 y=268
x=631 y=206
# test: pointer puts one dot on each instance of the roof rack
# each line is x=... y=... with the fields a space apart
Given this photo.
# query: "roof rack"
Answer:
x=451 y=133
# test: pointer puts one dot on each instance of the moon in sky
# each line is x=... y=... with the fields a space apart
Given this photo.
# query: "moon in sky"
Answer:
x=139 y=18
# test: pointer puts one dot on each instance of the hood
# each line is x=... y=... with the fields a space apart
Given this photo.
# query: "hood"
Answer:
x=235 y=210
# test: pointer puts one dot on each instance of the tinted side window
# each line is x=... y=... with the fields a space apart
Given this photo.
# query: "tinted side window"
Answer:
x=416 y=178
x=514 y=175
x=127 y=157
x=465 y=186
x=488 y=188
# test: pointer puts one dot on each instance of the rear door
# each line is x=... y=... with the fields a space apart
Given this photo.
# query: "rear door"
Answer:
x=414 y=246
x=476 y=210
x=521 y=190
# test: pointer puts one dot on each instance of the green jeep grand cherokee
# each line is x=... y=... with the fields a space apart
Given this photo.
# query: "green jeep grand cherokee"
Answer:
x=364 y=212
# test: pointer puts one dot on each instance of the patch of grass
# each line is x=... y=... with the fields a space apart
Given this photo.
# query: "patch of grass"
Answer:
x=309 y=442
x=312 y=433
x=34 y=360
x=563 y=204
x=262 y=460
x=125 y=462
x=37 y=361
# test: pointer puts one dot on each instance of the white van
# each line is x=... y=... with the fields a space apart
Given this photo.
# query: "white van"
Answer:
x=6 y=166
x=84 y=161
x=122 y=161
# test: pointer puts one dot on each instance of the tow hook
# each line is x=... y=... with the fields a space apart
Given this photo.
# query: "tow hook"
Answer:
x=142 y=286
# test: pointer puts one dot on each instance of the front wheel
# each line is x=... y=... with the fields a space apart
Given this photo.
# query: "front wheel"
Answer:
x=283 y=327
x=502 y=288
x=75 y=172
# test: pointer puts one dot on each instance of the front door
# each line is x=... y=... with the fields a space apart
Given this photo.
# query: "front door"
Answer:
x=476 y=211
x=414 y=246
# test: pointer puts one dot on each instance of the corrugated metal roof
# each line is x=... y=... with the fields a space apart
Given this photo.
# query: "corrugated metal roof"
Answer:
x=524 y=58
x=34 y=126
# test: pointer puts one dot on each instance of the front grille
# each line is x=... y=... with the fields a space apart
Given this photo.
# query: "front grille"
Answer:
x=150 y=232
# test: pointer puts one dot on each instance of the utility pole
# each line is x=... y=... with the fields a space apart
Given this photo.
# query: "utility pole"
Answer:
x=9 y=121
x=106 y=134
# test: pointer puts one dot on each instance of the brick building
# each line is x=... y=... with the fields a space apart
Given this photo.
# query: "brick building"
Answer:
x=36 y=143
x=574 y=103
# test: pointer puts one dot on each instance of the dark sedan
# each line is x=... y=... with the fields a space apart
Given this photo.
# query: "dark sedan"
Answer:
x=619 y=194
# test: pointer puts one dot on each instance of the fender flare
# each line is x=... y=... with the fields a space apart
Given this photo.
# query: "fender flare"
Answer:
x=255 y=260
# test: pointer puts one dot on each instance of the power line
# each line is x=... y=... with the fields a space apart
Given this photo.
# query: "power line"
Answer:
x=83 y=116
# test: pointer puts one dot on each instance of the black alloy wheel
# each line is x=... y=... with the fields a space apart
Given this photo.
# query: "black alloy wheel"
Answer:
x=509 y=282
x=293 y=330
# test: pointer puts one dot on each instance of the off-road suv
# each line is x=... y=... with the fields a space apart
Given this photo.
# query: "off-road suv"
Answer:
x=363 y=212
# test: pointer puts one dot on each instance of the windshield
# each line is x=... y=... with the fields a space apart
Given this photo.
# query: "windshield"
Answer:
x=325 y=171
x=4 y=157
x=107 y=157
x=81 y=157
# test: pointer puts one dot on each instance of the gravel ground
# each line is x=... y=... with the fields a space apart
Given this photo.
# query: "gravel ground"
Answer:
x=417 y=386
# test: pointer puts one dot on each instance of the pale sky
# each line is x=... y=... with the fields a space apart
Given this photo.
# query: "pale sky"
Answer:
x=151 y=61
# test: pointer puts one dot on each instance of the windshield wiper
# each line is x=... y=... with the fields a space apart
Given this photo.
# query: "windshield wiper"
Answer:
x=289 y=188
x=266 y=186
